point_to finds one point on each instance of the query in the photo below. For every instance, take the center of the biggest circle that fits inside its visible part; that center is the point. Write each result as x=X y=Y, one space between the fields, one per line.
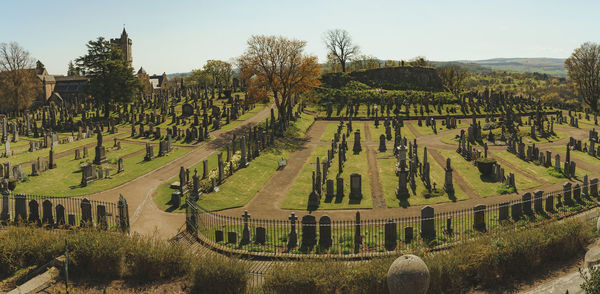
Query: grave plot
x=336 y=187
x=119 y=166
x=187 y=119
x=40 y=148
x=494 y=184
x=236 y=188
x=418 y=194
x=433 y=126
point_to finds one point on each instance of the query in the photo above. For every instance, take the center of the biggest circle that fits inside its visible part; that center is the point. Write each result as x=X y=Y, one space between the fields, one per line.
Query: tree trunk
x=343 y=66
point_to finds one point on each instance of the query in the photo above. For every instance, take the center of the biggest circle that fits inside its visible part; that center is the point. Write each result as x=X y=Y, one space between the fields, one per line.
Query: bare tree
x=19 y=85
x=583 y=67
x=339 y=43
x=453 y=78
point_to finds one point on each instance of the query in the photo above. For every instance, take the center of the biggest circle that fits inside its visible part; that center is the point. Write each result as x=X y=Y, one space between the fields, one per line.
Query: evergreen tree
x=111 y=78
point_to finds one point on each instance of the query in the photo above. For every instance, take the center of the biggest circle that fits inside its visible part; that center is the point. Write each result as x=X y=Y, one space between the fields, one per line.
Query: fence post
x=123 y=213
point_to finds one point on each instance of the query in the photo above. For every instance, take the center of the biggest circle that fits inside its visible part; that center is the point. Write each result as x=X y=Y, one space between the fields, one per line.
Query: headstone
x=479 y=218
x=309 y=231
x=325 y=232
x=503 y=211
x=47 y=217
x=526 y=203
x=538 y=201
x=390 y=235
x=86 y=213
x=427 y=223
x=355 y=186
x=260 y=235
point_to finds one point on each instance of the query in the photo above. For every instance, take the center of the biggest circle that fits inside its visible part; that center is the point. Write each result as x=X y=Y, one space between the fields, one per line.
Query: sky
x=178 y=36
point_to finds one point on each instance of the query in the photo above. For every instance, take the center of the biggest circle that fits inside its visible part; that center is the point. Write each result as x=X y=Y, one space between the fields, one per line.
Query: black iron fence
x=54 y=211
x=374 y=237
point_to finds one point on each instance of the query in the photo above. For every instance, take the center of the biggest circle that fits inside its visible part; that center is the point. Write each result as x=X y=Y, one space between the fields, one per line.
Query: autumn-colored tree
x=583 y=67
x=340 y=45
x=453 y=78
x=19 y=84
x=280 y=66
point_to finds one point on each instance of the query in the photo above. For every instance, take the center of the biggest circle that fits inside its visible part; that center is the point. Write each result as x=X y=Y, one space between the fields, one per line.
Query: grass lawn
x=297 y=196
x=425 y=130
x=65 y=180
x=377 y=132
x=243 y=185
x=527 y=167
x=31 y=156
x=234 y=123
x=387 y=174
x=331 y=128
x=471 y=174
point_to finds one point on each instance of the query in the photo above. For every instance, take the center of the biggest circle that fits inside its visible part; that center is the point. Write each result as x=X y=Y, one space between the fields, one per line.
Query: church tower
x=125 y=44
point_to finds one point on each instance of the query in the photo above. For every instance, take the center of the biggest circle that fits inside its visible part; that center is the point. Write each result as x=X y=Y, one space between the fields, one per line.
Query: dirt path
x=146 y=217
x=271 y=195
x=376 y=187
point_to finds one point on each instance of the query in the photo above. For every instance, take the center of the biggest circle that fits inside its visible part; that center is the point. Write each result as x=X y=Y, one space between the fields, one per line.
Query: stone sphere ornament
x=408 y=274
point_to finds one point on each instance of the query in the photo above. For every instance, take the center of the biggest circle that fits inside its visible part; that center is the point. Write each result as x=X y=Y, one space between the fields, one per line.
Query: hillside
x=550 y=66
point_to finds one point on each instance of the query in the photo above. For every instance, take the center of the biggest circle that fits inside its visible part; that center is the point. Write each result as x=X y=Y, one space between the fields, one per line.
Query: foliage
x=591 y=280
x=583 y=67
x=551 y=171
x=492 y=259
x=281 y=66
x=215 y=274
x=19 y=84
x=453 y=78
x=220 y=72
x=111 y=76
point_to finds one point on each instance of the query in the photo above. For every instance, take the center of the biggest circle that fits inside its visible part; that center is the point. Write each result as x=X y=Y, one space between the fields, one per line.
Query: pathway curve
x=145 y=216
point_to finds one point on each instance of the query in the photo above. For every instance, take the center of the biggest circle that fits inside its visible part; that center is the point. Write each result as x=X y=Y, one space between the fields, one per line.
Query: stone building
x=125 y=44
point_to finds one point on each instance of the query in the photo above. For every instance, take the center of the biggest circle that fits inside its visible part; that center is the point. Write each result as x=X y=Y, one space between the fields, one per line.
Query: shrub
x=307 y=277
x=154 y=259
x=551 y=171
x=591 y=280
x=21 y=247
x=97 y=254
x=491 y=260
x=215 y=274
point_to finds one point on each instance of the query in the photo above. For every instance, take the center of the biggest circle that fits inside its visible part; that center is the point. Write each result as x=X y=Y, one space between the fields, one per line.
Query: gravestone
x=355 y=186
x=567 y=193
x=100 y=150
x=292 y=236
x=120 y=165
x=516 y=211
x=382 y=147
x=479 y=218
x=503 y=211
x=47 y=217
x=309 y=231
x=218 y=236
x=577 y=192
x=232 y=237
x=408 y=234
x=34 y=212
x=187 y=110
x=340 y=188
x=20 y=208
x=427 y=223
x=526 y=203
x=550 y=203
x=60 y=215
x=537 y=201
x=101 y=217
x=325 y=232
x=260 y=235
x=594 y=187
x=391 y=235
x=86 y=213
x=245 y=231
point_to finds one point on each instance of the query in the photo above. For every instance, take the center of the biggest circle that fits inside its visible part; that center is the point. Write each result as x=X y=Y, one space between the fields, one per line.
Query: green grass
x=64 y=181
x=427 y=130
x=387 y=175
x=31 y=156
x=234 y=123
x=331 y=128
x=484 y=188
x=531 y=168
x=243 y=185
x=297 y=196
x=377 y=132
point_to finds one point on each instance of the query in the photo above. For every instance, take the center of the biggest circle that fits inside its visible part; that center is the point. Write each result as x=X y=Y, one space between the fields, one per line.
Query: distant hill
x=550 y=66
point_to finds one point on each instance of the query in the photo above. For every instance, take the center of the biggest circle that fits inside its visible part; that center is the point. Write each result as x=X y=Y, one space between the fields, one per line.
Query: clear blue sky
x=177 y=36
